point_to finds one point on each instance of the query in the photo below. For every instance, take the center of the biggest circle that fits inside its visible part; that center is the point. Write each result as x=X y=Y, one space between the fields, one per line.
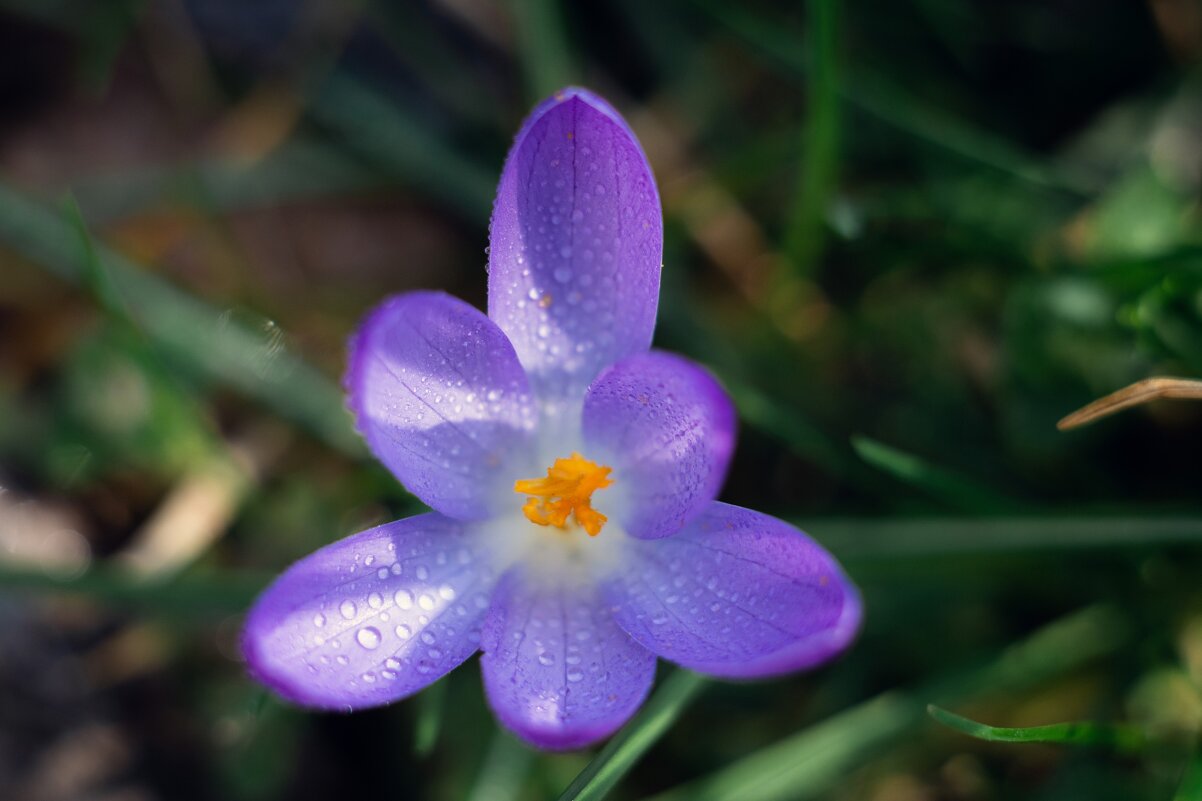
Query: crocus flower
x=572 y=474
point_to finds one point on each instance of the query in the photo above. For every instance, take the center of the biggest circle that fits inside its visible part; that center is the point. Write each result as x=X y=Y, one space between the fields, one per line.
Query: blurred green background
x=908 y=236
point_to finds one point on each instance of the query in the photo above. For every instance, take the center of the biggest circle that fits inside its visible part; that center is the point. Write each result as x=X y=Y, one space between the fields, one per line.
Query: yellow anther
x=566 y=491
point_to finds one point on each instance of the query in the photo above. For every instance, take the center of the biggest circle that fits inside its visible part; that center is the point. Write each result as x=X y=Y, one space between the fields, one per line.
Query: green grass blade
x=820 y=137
x=192 y=333
x=429 y=718
x=895 y=105
x=1121 y=738
x=301 y=168
x=504 y=770
x=805 y=439
x=543 y=46
x=1190 y=788
x=626 y=748
x=809 y=762
x=191 y=595
x=865 y=540
x=944 y=485
x=410 y=151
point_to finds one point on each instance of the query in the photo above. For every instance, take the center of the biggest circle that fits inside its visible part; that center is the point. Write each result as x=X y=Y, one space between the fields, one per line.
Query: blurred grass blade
x=504 y=770
x=429 y=717
x=192 y=333
x=628 y=746
x=809 y=762
x=895 y=105
x=412 y=152
x=1190 y=788
x=1127 y=739
x=867 y=539
x=191 y=595
x=298 y=169
x=944 y=485
x=801 y=436
x=820 y=137
x=543 y=46
x=97 y=278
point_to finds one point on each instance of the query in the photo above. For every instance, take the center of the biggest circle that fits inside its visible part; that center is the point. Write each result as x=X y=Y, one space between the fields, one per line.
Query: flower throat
x=566 y=491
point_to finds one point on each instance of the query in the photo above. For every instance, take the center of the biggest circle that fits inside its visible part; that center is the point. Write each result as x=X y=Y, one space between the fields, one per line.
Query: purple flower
x=572 y=473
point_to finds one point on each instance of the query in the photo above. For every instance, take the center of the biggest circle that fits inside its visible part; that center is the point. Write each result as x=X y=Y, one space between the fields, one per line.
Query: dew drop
x=403 y=631
x=319 y=620
x=404 y=599
x=375 y=600
x=426 y=601
x=447 y=592
x=347 y=609
x=369 y=637
x=575 y=675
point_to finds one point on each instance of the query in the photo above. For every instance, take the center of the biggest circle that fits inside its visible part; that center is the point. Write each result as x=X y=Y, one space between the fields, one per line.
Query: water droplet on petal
x=369 y=637
x=347 y=609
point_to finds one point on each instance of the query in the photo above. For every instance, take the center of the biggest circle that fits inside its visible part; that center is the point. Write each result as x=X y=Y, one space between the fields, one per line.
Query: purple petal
x=557 y=670
x=737 y=594
x=372 y=618
x=443 y=402
x=668 y=429
x=576 y=244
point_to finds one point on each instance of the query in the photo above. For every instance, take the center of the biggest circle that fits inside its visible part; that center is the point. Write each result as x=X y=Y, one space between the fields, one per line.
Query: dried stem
x=1140 y=392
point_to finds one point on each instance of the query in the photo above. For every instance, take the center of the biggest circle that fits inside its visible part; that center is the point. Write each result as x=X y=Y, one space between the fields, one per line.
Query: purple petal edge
x=557 y=670
x=736 y=594
x=437 y=391
x=667 y=427
x=372 y=618
x=576 y=244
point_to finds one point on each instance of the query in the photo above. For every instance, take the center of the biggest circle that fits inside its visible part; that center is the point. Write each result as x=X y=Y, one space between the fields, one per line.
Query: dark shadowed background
x=908 y=236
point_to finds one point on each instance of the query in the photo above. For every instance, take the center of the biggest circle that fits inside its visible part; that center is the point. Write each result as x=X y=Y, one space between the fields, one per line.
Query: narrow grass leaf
x=406 y=149
x=543 y=46
x=808 y=763
x=1190 y=788
x=429 y=718
x=865 y=540
x=1127 y=739
x=189 y=331
x=820 y=137
x=626 y=748
x=191 y=595
x=894 y=105
x=504 y=770
x=944 y=485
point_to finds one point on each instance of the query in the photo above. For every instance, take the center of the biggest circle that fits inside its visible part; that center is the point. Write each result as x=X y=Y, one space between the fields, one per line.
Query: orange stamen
x=566 y=491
